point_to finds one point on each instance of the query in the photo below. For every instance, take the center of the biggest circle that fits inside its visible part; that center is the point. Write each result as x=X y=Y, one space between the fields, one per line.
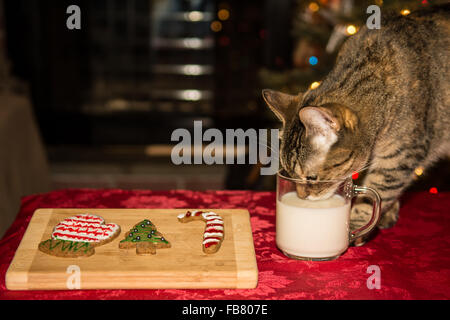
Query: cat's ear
x=279 y=103
x=320 y=125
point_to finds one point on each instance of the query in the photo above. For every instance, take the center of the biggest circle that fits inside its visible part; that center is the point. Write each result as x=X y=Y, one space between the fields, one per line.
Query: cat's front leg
x=389 y=184
x=390 y=216
x=360 y=216
x=362 y=212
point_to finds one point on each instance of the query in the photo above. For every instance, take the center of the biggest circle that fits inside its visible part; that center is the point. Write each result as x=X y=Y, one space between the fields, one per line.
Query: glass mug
x=318 y=230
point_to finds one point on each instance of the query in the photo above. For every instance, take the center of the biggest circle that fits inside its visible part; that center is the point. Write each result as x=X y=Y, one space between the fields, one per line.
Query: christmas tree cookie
x=145 y=238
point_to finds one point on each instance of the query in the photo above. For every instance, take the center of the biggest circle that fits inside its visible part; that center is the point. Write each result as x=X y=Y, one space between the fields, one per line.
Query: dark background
x=75 y=74
x=103 y=94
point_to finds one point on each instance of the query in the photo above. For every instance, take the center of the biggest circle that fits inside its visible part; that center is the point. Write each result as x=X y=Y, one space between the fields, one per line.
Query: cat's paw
x=390 y=217
x=360 y=215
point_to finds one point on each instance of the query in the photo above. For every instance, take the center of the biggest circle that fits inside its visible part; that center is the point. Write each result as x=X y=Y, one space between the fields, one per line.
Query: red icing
x=84 y=230
x=83 y=225
x=96 y=225
x=81 y=230
x=214 y=225
x=76 y=221
x=209 y=244
x=57 y=234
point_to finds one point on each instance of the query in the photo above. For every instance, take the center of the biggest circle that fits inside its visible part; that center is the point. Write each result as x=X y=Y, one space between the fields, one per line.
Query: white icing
x=209 y=213
x=212 y=234
x=213 y=217
x=210 y=240
x=217 y=221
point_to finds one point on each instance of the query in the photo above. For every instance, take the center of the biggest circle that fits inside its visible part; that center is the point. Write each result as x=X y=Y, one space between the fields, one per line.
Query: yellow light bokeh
x=313 y=7
x=216 y=26
x=405 y=12
x=418 y=171
x=351 y=29
x=314 y=85
x=223 y=14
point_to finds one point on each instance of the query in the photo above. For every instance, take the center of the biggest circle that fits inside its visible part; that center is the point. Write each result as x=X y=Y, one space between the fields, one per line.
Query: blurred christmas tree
x=318 y=30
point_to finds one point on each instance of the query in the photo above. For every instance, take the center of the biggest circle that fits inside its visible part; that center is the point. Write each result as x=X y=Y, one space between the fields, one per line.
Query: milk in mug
x=312 y=229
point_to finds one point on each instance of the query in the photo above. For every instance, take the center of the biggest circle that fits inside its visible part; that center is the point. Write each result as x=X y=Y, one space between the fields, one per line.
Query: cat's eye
x=313 y=178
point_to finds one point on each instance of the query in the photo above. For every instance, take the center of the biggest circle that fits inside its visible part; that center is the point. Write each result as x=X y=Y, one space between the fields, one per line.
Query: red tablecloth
x=413 y=256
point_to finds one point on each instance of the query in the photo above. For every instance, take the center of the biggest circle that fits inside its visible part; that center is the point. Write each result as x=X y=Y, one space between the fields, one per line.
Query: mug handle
x=364 y=230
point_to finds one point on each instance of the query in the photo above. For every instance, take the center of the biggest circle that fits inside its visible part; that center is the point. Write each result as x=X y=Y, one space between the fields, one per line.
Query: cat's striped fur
x=385 y=107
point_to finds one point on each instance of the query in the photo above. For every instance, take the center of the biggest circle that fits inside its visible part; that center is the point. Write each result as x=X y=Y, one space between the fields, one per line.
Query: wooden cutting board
x=182 y=266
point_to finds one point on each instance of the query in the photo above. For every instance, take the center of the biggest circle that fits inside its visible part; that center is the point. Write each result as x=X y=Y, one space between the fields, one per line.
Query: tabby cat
x=383 y=110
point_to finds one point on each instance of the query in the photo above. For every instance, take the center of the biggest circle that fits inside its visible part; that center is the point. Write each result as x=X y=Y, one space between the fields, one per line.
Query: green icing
x=73 y=246
x=144 y=231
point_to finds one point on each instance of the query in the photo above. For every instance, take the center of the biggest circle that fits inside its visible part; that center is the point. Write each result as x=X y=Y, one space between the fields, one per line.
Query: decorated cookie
x=214 y=230
x=86 y=228
x=78 y=235
x=64 y=248
x=145 y=238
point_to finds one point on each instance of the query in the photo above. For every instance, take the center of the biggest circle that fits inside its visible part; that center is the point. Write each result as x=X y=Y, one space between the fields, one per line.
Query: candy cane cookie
x=214 y=231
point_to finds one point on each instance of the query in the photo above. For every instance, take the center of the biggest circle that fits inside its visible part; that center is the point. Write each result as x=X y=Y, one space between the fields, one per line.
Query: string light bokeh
x=223 y=14
x=314 y=85
x=216 y=26
x=351 y=30
x=405 y=12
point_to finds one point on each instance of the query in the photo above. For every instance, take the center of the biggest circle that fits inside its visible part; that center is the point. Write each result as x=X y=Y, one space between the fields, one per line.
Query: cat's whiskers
x=273 y=153
x=367 y=166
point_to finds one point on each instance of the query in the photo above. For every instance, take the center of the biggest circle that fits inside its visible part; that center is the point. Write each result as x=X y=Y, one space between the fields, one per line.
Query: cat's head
x=318 y=143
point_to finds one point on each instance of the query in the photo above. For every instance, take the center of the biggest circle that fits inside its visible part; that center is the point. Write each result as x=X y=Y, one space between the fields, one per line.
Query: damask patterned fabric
x=413 y=256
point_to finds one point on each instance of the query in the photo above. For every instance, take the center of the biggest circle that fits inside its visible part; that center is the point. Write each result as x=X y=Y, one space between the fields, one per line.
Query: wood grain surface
x=182 y=266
